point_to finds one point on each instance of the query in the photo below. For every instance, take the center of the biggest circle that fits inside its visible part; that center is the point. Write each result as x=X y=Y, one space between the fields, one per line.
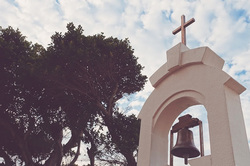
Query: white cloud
x=133 y=112
x=136 y=103
x=37 y=20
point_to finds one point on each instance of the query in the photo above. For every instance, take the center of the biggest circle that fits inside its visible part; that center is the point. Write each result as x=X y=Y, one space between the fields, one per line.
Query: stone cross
x=182 y=28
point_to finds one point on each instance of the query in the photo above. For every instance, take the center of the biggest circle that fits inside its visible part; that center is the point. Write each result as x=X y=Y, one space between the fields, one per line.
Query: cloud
x=133 y=112
x=136 y=103
x=37 y=20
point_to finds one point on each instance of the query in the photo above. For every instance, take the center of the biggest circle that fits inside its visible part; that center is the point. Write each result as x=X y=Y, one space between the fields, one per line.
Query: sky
x=222 y=25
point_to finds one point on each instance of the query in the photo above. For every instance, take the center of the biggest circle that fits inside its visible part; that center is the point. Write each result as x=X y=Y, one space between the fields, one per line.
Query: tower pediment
x=180 y=56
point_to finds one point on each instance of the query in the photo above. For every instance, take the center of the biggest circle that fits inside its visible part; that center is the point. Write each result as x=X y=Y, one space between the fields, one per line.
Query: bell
x=184 y=146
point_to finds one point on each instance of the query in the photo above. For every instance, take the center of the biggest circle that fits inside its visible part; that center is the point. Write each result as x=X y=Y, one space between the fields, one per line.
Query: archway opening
x=196 y=111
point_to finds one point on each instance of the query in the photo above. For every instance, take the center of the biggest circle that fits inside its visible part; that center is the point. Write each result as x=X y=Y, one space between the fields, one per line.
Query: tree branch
x=111 y=100
x=76 y=155
x=57 y=154
x=75 y=137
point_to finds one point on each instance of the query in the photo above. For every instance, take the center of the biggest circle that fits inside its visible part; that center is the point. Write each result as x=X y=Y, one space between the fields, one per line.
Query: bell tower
x=194 y=77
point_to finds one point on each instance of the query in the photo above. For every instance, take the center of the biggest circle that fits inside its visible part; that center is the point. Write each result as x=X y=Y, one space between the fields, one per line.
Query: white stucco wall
x=188 y=78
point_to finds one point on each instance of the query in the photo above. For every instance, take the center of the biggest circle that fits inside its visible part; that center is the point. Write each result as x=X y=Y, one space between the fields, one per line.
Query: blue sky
x=224 y=26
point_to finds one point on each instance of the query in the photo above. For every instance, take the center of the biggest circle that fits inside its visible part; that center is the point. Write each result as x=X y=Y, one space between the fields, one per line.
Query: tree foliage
x=75 y=83
x=98 y=69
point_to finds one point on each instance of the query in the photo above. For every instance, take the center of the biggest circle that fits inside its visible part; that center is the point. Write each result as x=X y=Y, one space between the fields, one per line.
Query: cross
x=182 y=28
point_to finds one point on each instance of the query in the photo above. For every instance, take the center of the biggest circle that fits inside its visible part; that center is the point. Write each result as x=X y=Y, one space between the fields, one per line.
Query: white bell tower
x=191 y=77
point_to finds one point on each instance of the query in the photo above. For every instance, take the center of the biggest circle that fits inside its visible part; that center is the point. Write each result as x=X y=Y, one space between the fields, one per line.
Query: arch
x=192 y=77
x=178 y=102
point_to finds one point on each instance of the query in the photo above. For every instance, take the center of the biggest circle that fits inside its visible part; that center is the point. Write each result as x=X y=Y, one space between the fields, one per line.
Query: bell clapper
x=186 y=159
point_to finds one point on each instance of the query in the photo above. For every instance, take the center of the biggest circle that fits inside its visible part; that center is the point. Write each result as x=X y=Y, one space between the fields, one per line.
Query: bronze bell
x=184 y=146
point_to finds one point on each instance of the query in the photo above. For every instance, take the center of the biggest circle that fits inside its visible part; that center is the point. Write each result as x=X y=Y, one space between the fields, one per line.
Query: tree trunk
x=72 y=163
x=25 y=152
x=76 y=135
x=92 y=151
x=56 y=156
x=20 y=141
x=91 y=155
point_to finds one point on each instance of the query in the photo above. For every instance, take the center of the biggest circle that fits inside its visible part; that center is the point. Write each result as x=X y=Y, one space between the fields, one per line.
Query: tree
x=97 y=69
x=15 y=51
x=32 y=110
x=72 y=85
